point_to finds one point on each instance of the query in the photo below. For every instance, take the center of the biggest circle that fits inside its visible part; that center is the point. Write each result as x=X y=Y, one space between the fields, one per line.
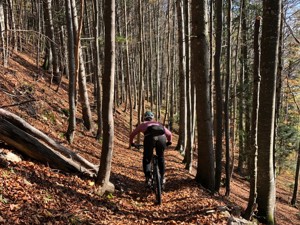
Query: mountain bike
x=155 y=177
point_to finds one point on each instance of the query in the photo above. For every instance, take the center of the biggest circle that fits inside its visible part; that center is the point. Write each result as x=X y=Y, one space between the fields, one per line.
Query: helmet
x=148 y=116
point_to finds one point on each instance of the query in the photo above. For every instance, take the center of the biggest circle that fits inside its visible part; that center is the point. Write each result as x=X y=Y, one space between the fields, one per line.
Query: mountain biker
x=155 y=135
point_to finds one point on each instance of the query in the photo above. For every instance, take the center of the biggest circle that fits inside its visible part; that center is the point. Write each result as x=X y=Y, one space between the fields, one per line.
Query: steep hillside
x=33 y=193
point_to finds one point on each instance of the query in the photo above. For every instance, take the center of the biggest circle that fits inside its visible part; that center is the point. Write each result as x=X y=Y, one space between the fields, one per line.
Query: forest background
x=144 y=55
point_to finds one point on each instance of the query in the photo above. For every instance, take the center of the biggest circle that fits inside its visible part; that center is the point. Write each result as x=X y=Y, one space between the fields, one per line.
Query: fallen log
x=25 y=138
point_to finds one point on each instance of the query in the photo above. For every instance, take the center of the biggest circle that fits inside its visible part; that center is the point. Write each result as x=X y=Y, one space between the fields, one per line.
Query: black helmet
x=148 y=116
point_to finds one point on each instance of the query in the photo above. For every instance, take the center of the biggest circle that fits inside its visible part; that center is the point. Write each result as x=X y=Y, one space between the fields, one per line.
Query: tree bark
x=181 y=145
x=51 y=35
x=103 y=176
x=219 y=97
x=72 y=74
x=296 y=184
x=200 y=69
x=255 y=105
x=266 y=114
x=227 y=95
x=80 y=67
x=2 y=36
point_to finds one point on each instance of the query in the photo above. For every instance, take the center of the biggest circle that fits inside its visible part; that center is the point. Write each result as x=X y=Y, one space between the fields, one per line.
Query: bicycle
x=155 y=177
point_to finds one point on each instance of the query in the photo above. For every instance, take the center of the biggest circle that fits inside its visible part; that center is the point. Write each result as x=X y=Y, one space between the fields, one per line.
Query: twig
x=291 y=31
x=16 y=104
x=294 y=97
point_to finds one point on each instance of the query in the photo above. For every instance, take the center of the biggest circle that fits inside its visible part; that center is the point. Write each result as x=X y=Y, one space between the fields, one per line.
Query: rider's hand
x=132 y=145
x=169 y=143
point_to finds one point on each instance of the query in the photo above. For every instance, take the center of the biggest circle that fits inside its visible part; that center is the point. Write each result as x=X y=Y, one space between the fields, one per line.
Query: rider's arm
x=135 y=132
x=168 y=134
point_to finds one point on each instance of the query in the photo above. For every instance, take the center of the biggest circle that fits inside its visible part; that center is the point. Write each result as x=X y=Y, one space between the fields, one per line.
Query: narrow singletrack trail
x=183 y=201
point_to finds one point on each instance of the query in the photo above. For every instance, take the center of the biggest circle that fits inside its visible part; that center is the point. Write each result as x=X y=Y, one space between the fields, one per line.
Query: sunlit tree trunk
x=103 y=177
x=97 y=69
x=72 y=77
x=80 y=67
x=181 y=145
x=47 y=4
x=2 y=36
x=200 y=69
x=255 y=106
x=127 y=71
x=12 y=25
x=266 y=114
x=141 y=62
x=218 y=89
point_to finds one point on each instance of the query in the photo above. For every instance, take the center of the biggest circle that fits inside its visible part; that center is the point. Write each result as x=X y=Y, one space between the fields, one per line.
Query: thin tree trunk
x=50 y=32
x=219 y=98
x=72 y=74
x=103 y=177
x=141 y=63
x=80 y=67
x=128 y=74
x=255 y=106
x=296 y=184
x=2 y=36
x=226 y=104
x=97 y=70
x=181 y=145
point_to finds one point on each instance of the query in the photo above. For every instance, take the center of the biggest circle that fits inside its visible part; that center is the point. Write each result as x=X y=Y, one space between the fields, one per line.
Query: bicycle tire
x=157 y=184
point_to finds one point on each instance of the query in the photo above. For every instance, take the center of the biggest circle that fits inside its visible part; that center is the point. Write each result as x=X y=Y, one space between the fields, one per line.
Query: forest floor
x=33 y=193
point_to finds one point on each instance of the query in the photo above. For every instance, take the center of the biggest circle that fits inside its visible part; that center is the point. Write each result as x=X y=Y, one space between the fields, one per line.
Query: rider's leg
x=160 y=149
x=147 y=156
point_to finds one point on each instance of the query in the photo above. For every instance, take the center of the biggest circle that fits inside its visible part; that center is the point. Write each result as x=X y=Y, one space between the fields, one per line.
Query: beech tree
x=182 y=79
x=103 y=177
x=266 y=114
x=219 y=95
x=200 y=70
x=255 y=108
x=72 y=74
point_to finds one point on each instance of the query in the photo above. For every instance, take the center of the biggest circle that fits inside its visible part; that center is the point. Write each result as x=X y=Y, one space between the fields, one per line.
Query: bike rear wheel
x=157 y=184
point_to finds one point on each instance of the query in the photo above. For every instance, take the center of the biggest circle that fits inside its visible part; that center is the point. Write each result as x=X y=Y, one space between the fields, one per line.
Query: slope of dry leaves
x=33 y=193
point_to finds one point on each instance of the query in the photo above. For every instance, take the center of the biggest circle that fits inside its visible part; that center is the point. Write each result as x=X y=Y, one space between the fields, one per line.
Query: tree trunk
x=266 y=119
x=200 y=69
x=181 y=145
x=227 y=95
x=2 y=36
x=219 y=98
x=241 y=105
x=97 y=70
x=50 y=33
x=108 y=99
x=296 y=184
x=72 y=74
x=127 y=71
x=255 y=106
x=80 y=67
